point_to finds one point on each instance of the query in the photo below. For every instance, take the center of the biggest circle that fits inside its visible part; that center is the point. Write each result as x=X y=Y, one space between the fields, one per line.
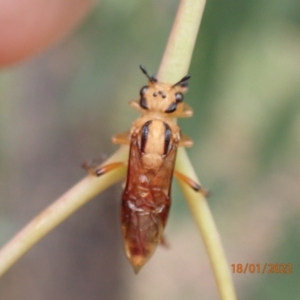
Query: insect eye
x=171 y=108
x=143 y=90
x=143 y=103
x=178 y=97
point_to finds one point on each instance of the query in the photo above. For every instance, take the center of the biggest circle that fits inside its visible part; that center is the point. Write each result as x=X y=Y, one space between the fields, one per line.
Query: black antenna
x=183 y=81
x=151 y=78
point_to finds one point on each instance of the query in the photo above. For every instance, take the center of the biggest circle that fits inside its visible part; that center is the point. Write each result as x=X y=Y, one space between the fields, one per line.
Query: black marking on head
x=182 y=82
x=178 y=97
x=145 y=132
x=168 y=134
x=162 y=94
x=171 y=108
x=151 y=78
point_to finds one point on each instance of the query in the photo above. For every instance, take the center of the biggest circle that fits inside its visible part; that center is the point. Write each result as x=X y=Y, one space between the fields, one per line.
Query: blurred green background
x=62 y=108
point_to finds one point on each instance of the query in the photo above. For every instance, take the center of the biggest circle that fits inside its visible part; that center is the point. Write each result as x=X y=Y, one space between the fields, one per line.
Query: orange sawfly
x=153 y=140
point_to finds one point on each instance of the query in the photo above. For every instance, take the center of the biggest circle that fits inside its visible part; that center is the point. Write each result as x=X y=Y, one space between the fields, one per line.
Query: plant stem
x=205 y=222
x=175 y=64
x=177 y=57
x=61 y=209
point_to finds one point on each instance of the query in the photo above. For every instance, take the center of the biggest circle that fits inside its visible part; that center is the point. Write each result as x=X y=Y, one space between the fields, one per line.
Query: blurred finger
x=28 y=27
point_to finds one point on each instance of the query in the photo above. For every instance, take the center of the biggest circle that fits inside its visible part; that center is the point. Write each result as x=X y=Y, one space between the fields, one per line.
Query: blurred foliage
x=62 y=108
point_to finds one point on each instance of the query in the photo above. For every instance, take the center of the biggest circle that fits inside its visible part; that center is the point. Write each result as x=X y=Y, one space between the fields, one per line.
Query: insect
x=153 y=140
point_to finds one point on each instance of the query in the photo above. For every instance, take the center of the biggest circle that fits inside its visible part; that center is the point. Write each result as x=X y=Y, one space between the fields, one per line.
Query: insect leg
x=185 y=141
x=103 y=169
x=187 y=110
x=185 y=113
x=164 y=242
x=135 y=105
x=121 y=138
x=194 y=185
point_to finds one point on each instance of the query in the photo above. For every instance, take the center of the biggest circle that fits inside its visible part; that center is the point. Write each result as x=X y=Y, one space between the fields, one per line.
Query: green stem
x=205 y=222
x=61 y=209
x=175 y=64
x=180 y=46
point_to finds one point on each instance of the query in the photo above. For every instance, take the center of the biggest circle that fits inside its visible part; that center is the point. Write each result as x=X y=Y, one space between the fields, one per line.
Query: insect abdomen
x=143 y=223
